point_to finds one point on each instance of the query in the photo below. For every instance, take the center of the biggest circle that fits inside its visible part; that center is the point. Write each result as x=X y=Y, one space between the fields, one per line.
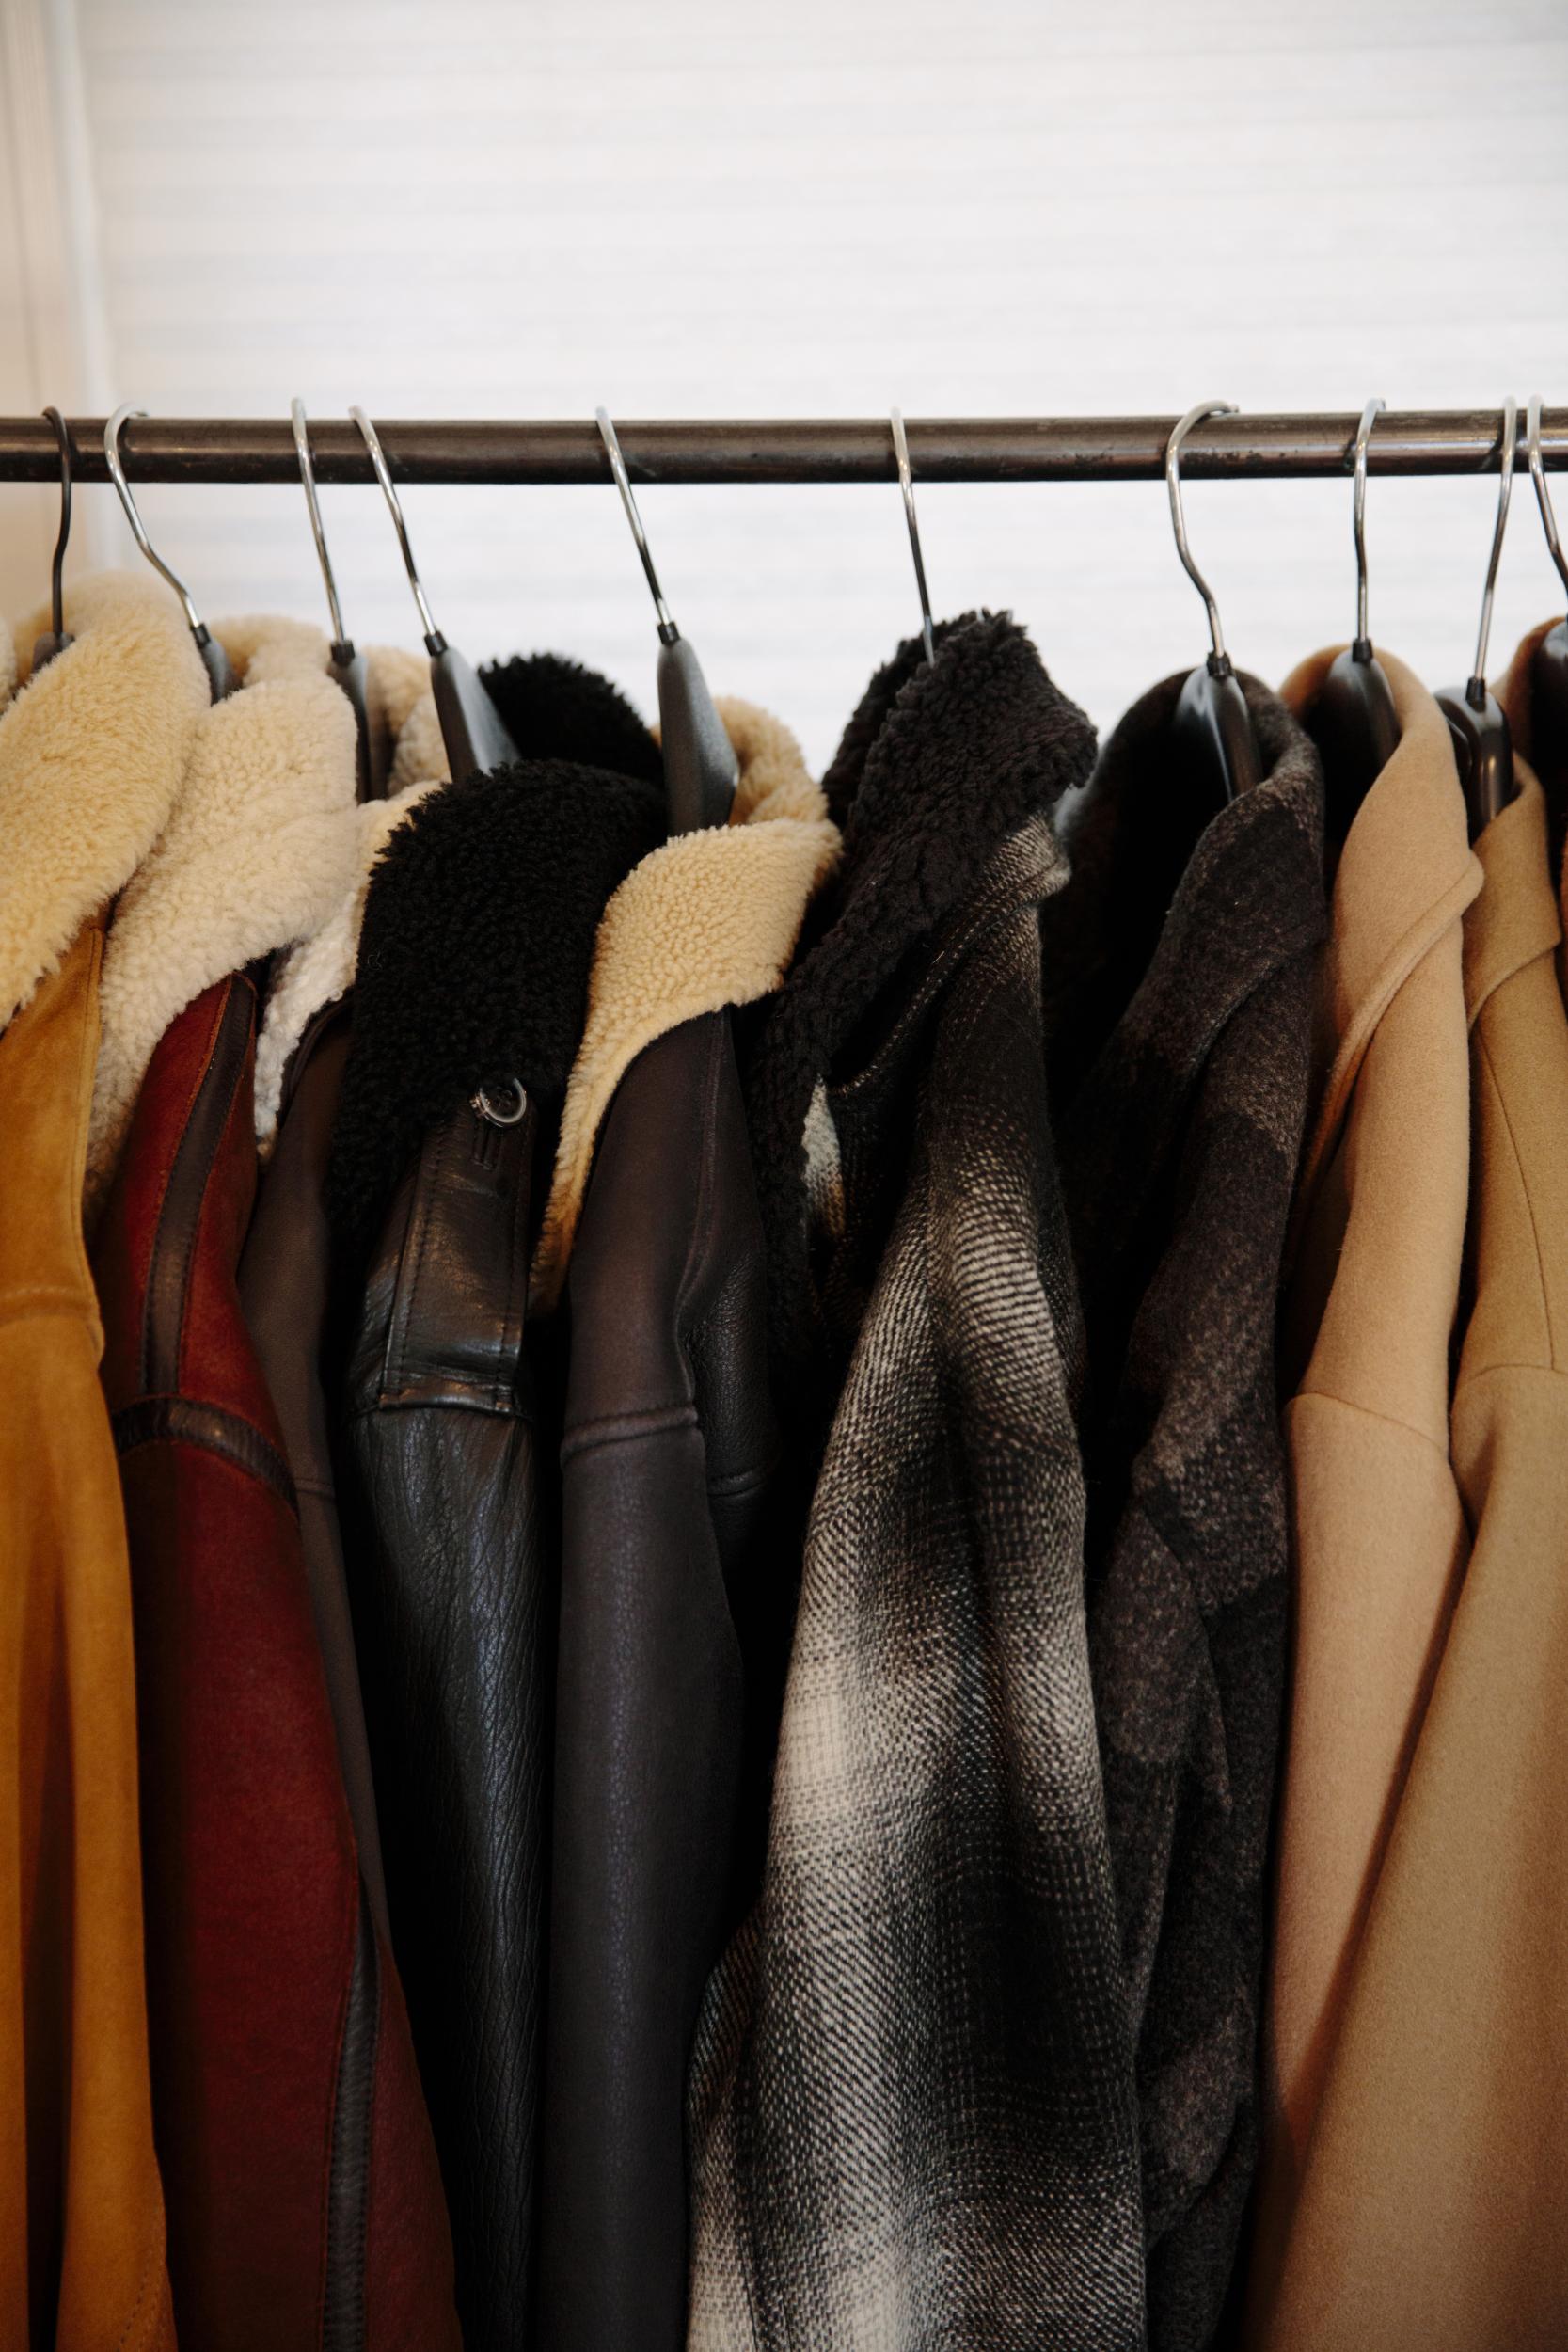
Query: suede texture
x=1434 y=2207
x=281 y=2050
x=81 y=2209
x=1378 y=1532
x=91 y=756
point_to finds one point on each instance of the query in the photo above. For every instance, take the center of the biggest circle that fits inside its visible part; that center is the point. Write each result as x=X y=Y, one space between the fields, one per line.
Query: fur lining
x=556 y=709
x=257 y=851
x=707 y=919
x=478 y=934
x=92 y=753
x=320 y=967
x=938 y=766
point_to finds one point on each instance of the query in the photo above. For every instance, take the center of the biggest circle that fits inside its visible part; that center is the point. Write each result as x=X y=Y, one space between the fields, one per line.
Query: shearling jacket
x=1433 y=2209
x=1378 y=1530
x=91 y=755
x=669 y=1463
x=468 y=1002
x=911 y=2114
x=304 y=2198
x=1179 y=1154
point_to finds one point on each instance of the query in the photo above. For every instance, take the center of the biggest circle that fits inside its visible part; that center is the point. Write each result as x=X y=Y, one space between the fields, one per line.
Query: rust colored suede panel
x=304 y=2201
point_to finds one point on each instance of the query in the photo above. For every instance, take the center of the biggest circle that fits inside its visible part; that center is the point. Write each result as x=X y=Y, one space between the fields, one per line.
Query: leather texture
x=669 y=1453
x=304 y=2198
x=286 y=1292
x=451 y=1550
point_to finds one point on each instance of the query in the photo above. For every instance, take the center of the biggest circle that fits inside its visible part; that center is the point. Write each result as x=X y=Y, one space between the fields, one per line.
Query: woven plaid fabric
x=911 y=2115
x=1178 y=1153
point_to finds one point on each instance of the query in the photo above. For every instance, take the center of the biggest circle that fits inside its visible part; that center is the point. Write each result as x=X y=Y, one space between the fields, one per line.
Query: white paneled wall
x=478 y=207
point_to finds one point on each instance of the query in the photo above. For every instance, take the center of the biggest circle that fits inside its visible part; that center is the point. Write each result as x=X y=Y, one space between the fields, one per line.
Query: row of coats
x=669 y=1504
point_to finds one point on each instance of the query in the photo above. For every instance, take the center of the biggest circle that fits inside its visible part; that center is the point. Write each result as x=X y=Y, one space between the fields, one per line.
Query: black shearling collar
x=478 y=929
x=940 y=765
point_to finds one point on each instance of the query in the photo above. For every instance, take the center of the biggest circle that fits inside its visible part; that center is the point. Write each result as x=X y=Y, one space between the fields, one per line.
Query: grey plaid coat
x=911 y=2116
x=1184 y=990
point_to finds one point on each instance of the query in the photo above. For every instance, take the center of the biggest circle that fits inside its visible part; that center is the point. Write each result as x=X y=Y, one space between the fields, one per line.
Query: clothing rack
x=781 y=450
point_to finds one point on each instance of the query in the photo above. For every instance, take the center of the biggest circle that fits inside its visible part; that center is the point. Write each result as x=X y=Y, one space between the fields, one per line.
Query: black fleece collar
x=478 y=929
x=939 y=764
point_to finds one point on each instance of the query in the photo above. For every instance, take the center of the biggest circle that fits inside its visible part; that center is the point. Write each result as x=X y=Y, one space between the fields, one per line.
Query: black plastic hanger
x=472 y=730
x=347 y=667
x=1352 y=718
x=1548 y=676
x=1216 y=751
x=701 y=770
x=1483 y=746
x=56 y=638
x=220 y=675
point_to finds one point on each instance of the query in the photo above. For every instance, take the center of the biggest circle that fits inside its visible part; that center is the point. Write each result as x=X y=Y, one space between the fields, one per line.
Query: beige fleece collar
x=320 y=967
x=707 y=919
x=92 y=753
x=258 y=846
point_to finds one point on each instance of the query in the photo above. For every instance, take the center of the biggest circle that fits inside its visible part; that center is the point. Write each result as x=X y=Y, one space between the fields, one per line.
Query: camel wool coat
x=1377 y=1527
x=91 y=753
x=1432 y=2212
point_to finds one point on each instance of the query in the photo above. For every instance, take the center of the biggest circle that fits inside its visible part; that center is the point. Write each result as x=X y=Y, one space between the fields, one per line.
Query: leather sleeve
x=668 y=1452
x=452 y=1565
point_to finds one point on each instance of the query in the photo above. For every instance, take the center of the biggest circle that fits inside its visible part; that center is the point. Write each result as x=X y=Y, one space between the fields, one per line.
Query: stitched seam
x=179 y=1420
x=1485 y=1052
x=1370 y=1412
x=146 y=1353
x=627 y=1429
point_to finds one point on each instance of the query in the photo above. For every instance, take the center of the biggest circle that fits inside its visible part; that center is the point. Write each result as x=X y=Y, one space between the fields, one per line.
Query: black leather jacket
x=670 y=1455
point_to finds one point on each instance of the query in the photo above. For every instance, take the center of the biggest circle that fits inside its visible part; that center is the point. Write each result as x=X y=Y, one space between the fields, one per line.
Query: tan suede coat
x=91 y=753
x=1378 y=1530
x=1434 y=2208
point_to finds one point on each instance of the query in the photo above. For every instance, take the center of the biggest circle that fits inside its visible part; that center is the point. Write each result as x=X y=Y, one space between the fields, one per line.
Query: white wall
x=706 y=206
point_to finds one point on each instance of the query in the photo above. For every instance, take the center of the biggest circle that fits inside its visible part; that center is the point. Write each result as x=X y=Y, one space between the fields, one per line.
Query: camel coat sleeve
x=1433 y=2211
x=1377 y=1530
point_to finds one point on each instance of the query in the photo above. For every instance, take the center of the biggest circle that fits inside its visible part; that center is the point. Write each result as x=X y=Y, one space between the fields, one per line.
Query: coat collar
x=1406 y=875
x=938 y=767
x=708 y=919
x=257 y=848
x=319 y=968
x=1514 y=920
x=478 y=932
x=92 y=753
x=1249 y=900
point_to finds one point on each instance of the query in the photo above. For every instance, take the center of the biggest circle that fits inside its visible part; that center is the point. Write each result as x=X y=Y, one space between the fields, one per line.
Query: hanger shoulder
x=701 y=770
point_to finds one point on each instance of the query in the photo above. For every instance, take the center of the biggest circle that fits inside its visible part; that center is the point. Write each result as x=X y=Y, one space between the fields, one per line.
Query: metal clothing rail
x=831 y=449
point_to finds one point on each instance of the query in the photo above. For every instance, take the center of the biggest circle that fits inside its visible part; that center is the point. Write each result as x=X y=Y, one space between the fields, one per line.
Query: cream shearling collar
x=319 y=968
x=258 y=848
x=92 y=753
x=706 y=920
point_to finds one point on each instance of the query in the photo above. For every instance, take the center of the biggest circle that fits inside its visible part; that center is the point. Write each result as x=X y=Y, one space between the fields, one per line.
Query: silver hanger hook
x=1369 y=415
x=1543 y=496
x=906 y=484
x=308 y=478
x=372 y=439
x=1178 y=433
x=1505 y=487
x=138 y=529
x=667 y=629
